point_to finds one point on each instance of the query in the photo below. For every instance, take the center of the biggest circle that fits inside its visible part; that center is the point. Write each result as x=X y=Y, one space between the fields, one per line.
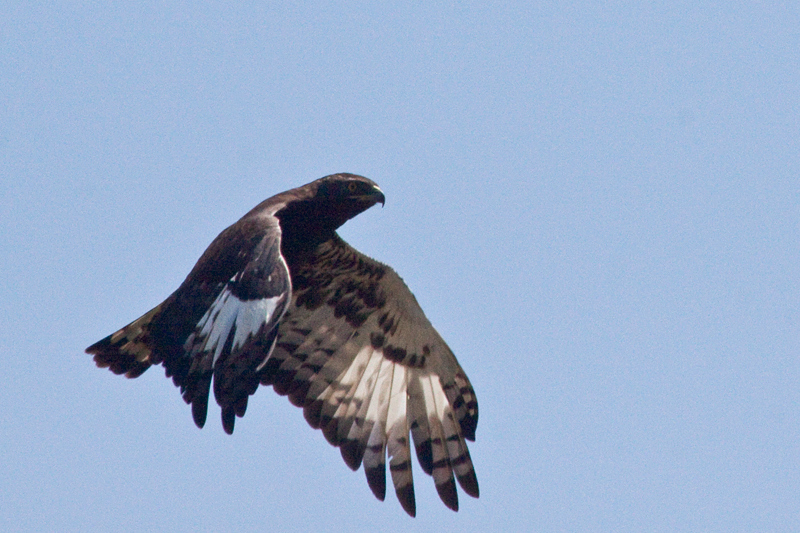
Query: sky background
x=597 y=204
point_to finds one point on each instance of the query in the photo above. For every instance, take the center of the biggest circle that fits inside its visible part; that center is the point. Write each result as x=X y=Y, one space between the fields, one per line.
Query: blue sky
x=596 y=204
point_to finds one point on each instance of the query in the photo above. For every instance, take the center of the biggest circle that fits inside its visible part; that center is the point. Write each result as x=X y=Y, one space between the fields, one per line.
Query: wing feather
x=355 y=424
x=442 y=471
x=219 y=326
x=357 y=353
x=375 y=451
x=398 y=442
x=334 y=412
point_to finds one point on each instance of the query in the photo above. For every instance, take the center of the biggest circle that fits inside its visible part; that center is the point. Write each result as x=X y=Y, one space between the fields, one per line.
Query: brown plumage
x=279 y=299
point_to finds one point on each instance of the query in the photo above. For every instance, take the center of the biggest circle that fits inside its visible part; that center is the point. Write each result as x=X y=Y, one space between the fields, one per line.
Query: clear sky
x=597 y=204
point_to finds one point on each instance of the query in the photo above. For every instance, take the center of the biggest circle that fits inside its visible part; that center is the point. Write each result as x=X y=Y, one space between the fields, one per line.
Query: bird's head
x=342 y=196
x=350 y=189
x=317 y=209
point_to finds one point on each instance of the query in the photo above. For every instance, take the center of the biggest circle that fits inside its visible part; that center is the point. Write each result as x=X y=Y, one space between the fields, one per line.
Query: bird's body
x=279 y=299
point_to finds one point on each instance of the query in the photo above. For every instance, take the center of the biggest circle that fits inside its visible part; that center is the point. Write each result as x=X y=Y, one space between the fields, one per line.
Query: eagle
x=278 y=298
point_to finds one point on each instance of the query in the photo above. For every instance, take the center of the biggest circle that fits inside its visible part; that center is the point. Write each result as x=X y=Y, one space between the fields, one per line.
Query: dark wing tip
x=240 y=406
x=312 y=413
x=330 y=428
x=447 y=492
x=469 y=425
x=406 y=497
x=228 y=419
x=297 y=392
x=200 y=411
x=469 y=482
x=376 y=478
x=425 y=456
x=352 y=453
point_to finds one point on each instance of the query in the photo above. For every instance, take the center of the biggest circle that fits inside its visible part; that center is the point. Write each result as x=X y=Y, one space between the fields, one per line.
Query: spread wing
x=355 y=350
x=219 y=325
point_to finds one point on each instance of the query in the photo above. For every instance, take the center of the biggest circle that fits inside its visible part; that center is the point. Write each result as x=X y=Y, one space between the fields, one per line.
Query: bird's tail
x=127 y=351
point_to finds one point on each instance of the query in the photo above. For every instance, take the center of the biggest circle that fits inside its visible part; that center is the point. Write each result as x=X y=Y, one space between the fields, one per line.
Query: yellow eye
x=352 y=186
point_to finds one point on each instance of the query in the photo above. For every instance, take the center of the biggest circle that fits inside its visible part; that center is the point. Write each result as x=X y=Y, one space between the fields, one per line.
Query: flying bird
x=279 y=299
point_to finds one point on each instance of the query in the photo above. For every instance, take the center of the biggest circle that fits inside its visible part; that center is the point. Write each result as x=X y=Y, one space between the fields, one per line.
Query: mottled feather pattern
x=127 y=351
x=279 y=299
x=331 y=360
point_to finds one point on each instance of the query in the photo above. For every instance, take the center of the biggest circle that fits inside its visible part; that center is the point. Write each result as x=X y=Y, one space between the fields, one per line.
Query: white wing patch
x=374 y=409
x=359 y=355
x=230 y=314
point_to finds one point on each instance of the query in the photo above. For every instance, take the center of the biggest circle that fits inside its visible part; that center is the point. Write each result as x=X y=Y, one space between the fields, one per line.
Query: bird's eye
x=352 y=186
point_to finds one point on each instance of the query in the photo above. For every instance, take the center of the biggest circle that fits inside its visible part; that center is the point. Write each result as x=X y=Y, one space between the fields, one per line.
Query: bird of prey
x=279 y=299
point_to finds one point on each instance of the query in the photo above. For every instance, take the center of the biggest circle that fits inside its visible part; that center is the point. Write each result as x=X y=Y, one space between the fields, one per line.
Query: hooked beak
x=377 y=194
